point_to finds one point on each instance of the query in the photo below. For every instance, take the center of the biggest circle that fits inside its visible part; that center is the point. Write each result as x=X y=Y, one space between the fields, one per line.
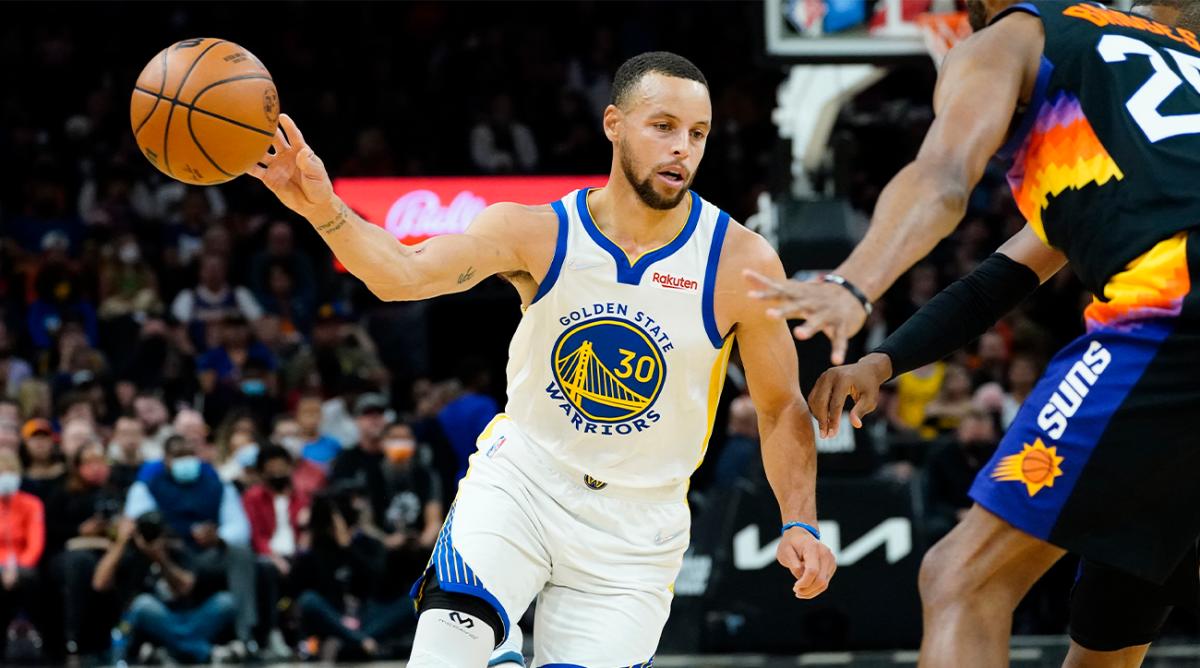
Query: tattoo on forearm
x=466 y=275
x=337 y=222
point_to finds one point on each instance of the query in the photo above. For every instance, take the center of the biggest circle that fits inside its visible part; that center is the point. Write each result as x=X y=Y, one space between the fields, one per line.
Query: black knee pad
x=433 y=597
x=1112 y=610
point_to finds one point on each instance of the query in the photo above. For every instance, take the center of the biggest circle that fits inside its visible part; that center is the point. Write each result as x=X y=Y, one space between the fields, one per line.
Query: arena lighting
x=416 y=208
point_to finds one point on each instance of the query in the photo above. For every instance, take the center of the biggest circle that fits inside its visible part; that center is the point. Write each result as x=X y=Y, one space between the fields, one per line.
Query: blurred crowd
x=211 y=441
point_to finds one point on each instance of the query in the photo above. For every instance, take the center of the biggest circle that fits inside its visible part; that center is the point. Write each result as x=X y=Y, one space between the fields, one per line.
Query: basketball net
x=941 y=32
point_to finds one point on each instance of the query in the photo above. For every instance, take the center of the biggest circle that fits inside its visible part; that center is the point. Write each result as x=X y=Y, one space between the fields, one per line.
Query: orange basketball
x=1036 y=466
x=204 y=110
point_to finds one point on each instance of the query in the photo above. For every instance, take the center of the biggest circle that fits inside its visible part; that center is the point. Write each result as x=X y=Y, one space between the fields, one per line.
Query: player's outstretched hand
x=811 y=562
x=293 y=172
x=825 y=307
x=859 y=381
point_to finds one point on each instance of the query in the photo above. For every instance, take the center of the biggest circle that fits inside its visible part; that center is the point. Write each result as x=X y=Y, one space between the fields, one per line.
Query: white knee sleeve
x=451 y=639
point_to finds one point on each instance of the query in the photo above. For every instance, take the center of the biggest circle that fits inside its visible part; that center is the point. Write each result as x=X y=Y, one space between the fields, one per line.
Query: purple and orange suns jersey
x=1105 y=160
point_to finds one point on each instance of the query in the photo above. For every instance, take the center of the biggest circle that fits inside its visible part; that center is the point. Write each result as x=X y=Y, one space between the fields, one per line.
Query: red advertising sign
x=415 y=209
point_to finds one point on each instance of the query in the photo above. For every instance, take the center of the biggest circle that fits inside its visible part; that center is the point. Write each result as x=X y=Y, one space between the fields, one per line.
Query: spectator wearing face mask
x=22 y=539
x=83 y=506
x=414 y=514
x=237 y=448
x=128 y=285
x=276 y=511
x=208 y=514
x=308 y=478
x=78 y=520
x=44 y=469
x=238 y=371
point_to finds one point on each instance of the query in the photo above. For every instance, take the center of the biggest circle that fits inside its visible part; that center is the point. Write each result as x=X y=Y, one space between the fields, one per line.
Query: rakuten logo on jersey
x=675 y=282
x=1073 y=389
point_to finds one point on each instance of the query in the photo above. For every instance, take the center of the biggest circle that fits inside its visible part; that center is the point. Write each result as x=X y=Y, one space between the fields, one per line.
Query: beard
x=645 y=187
x=976 y=15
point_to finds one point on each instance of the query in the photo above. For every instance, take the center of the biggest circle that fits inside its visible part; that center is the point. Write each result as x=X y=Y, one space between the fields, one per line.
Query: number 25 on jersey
x=1164 y=81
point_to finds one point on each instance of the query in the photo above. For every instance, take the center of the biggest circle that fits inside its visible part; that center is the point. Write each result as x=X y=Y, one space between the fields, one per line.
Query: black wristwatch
x=852 y=288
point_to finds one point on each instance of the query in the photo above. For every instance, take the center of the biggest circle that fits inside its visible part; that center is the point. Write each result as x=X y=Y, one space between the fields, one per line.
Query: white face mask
x=9 y=483
x=293 y=444
x=129 y=253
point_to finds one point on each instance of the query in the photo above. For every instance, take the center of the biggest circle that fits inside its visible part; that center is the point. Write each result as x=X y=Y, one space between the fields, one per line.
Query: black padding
x=433 y=597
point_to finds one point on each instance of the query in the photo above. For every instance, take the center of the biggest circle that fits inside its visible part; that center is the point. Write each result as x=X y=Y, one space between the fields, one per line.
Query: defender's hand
x=811 y=562
x=293 y=172
x=859 y=381
x=825 y=307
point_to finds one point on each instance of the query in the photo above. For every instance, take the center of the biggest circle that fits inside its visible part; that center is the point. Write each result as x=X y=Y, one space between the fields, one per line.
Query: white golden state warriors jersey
x=617 y=365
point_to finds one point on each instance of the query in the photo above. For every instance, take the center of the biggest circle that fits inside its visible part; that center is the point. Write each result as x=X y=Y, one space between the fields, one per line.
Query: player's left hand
x=825 y=307
x=811 y=562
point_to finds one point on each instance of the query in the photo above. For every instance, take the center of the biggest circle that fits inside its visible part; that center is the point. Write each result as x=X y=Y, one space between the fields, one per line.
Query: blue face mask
x=254 y=387
x=185 y=469
x=247 y=457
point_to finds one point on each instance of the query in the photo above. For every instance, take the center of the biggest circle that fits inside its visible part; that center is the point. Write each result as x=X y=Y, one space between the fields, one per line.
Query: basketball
x=1037 y=466
x=204 y=110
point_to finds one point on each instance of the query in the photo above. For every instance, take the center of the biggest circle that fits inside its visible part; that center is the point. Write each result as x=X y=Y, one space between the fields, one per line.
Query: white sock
x=451 y=639
x=506 y=655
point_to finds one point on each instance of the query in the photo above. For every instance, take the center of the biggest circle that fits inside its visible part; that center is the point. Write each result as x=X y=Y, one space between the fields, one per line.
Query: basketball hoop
x=942 y=31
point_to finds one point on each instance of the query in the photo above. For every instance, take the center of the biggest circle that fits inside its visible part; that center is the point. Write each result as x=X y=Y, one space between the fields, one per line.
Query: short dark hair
x=174 y=442
x=268 y=452
x=630 y=73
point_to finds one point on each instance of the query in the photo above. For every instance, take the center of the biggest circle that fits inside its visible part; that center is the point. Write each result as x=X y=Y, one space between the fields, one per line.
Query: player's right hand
x=859 y=381
x=810 y=561
x=292 y=171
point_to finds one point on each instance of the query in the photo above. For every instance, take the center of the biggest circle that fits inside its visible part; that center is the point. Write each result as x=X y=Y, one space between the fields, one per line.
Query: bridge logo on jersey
x=608 y=373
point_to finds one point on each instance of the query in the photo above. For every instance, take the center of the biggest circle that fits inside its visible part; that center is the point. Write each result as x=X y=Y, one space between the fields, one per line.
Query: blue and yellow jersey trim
x=560 y=252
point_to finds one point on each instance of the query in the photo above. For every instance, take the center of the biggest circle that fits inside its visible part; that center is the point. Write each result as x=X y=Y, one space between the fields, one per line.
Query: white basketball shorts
x=601 y=561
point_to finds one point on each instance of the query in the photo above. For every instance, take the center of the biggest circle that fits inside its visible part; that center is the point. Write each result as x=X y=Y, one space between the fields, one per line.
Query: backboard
x=847 y=31
x=856 y=31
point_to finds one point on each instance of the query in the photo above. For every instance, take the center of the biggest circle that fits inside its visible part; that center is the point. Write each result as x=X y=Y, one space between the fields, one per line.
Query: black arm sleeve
x=960 y=313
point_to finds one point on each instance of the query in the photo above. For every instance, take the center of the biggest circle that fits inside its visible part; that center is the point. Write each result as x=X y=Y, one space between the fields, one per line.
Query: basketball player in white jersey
x=632 y=298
